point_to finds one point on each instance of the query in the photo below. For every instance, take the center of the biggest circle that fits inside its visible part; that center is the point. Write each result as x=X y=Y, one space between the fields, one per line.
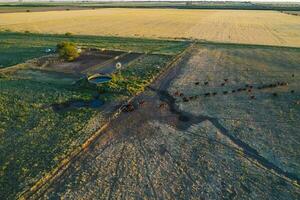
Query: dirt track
x=159 y=151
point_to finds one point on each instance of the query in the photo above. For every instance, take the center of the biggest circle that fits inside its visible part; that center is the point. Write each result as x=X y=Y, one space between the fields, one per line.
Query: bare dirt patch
x=110 y=65
x=87 y=59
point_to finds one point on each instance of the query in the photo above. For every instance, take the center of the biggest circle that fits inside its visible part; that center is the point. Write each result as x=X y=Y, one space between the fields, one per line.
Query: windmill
x=118 y=66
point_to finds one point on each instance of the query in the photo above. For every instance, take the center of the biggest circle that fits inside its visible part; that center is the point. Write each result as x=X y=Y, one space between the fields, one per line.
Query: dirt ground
x=110 y=66
x=89 y=62
x=87 y=59
x=175 y=145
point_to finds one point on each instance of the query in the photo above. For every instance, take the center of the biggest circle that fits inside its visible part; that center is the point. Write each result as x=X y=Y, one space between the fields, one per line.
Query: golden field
x=237 y=26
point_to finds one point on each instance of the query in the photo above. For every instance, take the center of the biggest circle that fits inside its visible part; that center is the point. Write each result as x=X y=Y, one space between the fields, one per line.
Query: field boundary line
x=50 y=177
x=23 y=64
x=245 y=45
x=47 y=180
x=105 y=63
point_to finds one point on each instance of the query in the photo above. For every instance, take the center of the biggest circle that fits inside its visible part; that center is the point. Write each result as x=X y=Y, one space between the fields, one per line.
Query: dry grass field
x=263 y=117
x=236 y=26
x=194 y=146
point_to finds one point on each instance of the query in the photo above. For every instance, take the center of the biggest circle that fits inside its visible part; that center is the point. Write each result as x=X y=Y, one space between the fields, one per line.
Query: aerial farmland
x=236 y=26
x=149 y=100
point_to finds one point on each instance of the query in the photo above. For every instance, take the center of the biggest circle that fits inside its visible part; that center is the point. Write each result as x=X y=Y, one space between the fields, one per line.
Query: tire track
x=117 y=174
x=143 y=153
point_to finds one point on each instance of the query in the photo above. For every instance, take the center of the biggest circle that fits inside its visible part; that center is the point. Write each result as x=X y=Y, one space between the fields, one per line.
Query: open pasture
x=180 y=143
x=253 y=92
x=235 y=26
x=42 y=117
x=34 y=137
x=52 y=77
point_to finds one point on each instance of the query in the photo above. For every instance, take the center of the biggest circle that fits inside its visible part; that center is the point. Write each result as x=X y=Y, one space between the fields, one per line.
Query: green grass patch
x=33 y=137
x=134 y=77
x=18 y=47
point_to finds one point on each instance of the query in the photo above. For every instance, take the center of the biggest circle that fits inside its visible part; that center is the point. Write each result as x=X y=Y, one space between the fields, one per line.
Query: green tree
x=68 y=50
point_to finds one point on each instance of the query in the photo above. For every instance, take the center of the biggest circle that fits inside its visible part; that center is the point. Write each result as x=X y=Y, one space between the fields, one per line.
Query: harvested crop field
x=251 y=27
x=184 y=141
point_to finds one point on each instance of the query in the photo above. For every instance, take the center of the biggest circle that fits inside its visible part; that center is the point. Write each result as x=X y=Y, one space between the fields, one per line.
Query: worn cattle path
x=123 y=161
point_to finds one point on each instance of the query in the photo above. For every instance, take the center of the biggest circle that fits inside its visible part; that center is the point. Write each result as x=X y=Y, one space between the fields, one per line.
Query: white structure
x=118 y=65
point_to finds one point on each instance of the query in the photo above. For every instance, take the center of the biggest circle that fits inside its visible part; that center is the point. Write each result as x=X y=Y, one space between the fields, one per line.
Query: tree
x=67 y=50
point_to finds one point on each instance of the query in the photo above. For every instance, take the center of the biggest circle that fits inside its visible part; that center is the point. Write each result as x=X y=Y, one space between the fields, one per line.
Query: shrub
x=68 y=34
x=120 y=84
x=67 y=50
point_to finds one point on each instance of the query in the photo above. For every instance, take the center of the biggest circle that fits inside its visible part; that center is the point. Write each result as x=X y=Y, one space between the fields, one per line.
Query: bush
x=120 y=84
x=68 y=34
x=67 y=50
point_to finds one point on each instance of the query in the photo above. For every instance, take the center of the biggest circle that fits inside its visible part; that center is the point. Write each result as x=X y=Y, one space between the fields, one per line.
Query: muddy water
x=99 y=80
x=72 y=104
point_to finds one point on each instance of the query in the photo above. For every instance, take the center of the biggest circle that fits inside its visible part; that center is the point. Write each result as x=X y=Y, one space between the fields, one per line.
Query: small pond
x=100 y=79
x=94 y=103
